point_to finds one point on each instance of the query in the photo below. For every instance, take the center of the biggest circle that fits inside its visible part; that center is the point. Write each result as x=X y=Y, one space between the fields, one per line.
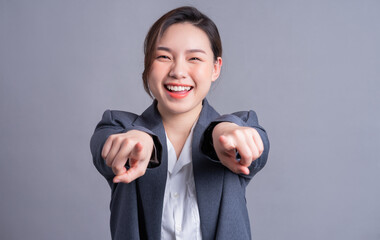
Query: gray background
x=310 y=69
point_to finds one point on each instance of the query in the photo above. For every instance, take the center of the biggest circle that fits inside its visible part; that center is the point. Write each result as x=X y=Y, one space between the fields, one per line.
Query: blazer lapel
x=151 y=186
x=208 y=176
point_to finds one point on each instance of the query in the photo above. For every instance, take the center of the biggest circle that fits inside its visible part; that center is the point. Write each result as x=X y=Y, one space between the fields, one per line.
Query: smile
x=175 y=88
x=178 y=91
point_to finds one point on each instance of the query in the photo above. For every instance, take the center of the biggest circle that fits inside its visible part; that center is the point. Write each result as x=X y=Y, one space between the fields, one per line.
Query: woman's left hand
x=228 y=138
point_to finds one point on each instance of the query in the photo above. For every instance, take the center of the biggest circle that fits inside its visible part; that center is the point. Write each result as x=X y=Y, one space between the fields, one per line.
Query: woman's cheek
x=200 y=69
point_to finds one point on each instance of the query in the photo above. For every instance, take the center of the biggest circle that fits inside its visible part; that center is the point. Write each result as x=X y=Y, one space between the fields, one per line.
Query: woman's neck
x=180 y=122
x=178 y=126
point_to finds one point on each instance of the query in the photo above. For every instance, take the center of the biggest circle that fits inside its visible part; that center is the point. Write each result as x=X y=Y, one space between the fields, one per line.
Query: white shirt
x=180 y=217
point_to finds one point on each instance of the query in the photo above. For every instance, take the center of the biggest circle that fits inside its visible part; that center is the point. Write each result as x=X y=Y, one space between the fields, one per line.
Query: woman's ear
x=216 y=68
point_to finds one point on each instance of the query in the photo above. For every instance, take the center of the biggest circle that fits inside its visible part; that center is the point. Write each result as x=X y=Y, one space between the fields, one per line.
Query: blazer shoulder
x=123 y=115
x=117 y=118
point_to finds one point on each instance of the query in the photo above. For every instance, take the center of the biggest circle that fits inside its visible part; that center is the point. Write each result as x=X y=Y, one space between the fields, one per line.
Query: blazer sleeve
x=242 y=118
x=114 y=122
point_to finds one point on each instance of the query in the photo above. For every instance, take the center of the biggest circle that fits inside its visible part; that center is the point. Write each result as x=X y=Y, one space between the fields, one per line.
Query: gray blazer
x=136 y=208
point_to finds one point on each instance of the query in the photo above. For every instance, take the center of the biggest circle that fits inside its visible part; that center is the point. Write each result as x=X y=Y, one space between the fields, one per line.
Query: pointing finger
x=136 y=151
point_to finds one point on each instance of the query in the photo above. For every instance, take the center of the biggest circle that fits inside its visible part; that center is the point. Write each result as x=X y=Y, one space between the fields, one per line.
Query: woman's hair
x=178 y=15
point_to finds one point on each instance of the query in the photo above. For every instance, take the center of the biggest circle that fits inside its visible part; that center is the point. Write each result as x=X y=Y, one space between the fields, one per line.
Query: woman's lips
x=178 y=91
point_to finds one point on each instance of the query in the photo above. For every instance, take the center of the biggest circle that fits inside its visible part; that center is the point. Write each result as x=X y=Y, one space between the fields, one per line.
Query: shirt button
x=178 y=228
x=175 y=195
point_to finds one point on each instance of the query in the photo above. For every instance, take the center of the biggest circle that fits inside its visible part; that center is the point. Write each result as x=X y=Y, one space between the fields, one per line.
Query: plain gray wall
x=310 y=69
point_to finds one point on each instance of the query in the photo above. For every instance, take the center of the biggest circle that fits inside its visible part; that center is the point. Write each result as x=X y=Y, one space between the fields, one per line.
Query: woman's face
x=182 y=70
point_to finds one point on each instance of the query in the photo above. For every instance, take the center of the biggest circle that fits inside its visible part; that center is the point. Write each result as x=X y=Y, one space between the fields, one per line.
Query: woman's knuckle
x=108 y=163
x=116 y=140
x=115 y=166
x=142 y=171
x=126 y=141
x=261 y=150
x=236 y=132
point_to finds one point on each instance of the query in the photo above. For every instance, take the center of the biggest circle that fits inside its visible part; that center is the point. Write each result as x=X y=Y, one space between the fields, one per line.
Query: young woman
x=179 y=170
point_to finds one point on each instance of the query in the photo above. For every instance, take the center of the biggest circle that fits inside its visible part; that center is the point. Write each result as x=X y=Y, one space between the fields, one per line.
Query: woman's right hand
x=135 y=146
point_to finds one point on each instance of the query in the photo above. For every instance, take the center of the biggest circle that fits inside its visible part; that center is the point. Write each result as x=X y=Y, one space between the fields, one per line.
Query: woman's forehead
x=184 y=37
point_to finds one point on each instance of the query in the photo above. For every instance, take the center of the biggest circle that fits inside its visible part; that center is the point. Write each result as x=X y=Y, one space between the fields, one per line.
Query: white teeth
x=178 y=88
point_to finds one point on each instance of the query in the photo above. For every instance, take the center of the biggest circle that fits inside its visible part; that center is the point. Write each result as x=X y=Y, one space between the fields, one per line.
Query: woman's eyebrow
x=164 y=49
x=196 y=50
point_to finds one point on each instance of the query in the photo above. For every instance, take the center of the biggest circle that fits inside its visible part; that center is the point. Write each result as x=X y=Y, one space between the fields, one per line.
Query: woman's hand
x=135 y=146
x=229 y=138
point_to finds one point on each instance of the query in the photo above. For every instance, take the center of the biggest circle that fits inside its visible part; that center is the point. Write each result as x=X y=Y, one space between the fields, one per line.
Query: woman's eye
x=163 y=57
x=195 y=59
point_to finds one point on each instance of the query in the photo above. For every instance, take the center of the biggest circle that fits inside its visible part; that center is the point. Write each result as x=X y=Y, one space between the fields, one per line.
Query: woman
x=179 y=170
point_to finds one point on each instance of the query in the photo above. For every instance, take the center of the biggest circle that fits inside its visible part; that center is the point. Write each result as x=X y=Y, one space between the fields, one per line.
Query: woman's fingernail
x=117 y=180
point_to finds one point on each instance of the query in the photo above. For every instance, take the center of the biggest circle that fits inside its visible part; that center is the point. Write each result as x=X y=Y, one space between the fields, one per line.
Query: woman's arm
x=238 y=142
x=133 y=146
x=114 y=142
x=230 y=139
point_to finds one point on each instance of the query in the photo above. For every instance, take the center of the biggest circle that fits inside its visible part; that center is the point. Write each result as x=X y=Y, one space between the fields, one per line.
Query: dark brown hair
x=178 y=15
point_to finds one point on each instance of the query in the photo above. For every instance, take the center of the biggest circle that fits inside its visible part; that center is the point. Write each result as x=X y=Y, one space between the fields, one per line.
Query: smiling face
x=182 y=70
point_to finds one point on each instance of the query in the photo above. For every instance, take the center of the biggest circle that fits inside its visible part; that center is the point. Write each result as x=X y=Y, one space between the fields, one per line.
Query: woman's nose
x=178 y=70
